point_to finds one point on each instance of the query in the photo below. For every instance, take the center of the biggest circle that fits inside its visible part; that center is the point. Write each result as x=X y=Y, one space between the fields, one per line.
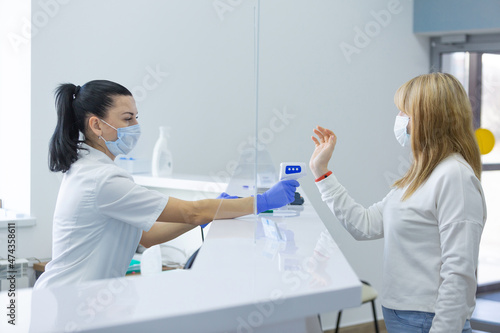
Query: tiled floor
x=363 y=328
x=495 y=296
x=486 y=316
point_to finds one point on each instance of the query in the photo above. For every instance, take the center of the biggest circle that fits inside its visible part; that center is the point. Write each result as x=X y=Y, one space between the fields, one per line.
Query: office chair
x=191 y=259
x=368 y=294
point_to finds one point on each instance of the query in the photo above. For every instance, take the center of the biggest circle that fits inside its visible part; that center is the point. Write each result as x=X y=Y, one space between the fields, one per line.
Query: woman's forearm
x=162 y=232
x=217 y=209
x=204 y=211
x=231 y=208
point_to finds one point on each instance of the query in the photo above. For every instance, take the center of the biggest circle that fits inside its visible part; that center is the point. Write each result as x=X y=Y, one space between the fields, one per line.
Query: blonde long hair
x=440 y=125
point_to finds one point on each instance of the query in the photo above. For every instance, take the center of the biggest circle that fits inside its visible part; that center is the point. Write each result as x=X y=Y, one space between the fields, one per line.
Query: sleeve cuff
x=328 y=186
x=156 y=214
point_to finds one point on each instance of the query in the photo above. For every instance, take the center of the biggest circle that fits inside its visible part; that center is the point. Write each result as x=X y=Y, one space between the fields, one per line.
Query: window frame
x=476 y=45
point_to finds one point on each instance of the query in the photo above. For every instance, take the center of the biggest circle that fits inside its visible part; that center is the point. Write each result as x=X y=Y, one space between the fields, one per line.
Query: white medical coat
x=98 y=221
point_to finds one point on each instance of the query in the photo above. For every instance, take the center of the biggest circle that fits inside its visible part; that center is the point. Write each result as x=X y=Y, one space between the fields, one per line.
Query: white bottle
x=151 y=261
x=162 y=164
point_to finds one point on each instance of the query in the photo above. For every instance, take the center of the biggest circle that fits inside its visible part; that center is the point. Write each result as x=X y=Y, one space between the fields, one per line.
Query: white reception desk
x=252 y=274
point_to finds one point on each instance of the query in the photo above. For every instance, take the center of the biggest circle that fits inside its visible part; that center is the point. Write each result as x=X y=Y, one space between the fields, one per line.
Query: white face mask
x=400 y=130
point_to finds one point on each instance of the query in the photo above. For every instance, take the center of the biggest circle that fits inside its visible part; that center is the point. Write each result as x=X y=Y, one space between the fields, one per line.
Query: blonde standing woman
x=433 y=217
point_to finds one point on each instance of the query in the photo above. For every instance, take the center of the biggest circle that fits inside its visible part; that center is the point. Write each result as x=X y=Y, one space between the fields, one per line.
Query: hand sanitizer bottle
x=151 y=261
x=162 y=165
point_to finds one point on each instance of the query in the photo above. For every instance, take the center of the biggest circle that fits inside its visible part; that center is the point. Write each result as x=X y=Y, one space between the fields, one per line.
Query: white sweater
x=431 y=241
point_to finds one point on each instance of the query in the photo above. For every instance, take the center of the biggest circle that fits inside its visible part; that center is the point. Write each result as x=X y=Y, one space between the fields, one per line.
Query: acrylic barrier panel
x=285 y=67
x=189 y=68
x=250 y=176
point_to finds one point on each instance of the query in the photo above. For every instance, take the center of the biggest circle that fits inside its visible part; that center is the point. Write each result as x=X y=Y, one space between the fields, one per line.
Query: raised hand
x=325 y=144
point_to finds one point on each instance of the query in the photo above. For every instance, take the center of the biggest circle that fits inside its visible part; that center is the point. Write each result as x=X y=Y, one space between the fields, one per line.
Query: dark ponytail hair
x=74 y=104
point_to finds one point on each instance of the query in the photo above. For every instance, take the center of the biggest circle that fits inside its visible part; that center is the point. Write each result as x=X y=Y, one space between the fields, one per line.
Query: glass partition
x=191 y=70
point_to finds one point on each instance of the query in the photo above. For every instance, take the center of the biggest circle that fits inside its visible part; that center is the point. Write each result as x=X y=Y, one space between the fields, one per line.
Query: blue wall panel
x=437 y=17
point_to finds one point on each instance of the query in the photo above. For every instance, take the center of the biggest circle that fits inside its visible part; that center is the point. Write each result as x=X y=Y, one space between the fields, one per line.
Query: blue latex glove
x=281 y=194
x=223 y=195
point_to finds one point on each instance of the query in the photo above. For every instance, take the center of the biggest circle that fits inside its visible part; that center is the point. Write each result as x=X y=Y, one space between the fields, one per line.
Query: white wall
x=208 y=96
x=304 y=68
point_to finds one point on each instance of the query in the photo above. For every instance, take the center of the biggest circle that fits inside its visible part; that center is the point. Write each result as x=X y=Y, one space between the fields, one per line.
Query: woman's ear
x=95 y=126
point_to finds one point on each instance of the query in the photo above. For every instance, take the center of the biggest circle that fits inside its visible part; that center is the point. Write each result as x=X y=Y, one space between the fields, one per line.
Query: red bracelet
x=324 y=176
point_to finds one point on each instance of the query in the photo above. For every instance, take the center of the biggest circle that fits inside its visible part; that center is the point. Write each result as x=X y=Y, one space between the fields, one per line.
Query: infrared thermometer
x=292 y=170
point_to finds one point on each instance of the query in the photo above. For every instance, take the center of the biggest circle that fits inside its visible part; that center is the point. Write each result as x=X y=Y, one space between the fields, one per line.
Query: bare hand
x=325 y=144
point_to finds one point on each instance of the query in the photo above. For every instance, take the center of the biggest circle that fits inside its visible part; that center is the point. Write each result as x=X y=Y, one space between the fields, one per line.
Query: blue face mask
x=127 y=138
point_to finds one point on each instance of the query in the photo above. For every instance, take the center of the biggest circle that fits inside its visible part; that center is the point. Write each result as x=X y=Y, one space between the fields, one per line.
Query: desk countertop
x=251 y=273
x=182 y=182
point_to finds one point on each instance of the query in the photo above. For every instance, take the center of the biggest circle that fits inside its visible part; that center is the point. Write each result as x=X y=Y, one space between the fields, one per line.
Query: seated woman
x=101 y=215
